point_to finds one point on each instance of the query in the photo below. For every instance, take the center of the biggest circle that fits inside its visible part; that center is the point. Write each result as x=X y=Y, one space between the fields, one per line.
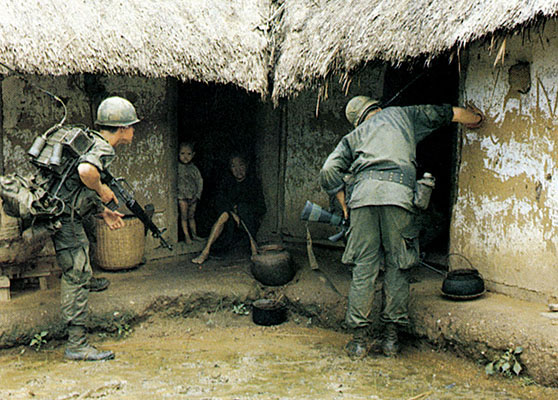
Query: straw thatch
x=325 y=37
x=299 y=42
x=202 y=40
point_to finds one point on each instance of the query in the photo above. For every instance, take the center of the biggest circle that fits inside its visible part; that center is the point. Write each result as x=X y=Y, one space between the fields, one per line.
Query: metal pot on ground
x=269 y=312
x=460 y=284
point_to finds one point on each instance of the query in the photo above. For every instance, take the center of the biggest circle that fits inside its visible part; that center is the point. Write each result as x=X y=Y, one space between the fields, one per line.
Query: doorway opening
x=437 y=154
x=219 y=120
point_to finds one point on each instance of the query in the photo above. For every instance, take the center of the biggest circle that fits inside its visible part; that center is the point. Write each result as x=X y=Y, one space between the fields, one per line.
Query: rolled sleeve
x=101 y=155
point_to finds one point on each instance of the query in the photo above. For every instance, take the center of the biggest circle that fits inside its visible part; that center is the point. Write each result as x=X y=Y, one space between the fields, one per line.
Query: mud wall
x=269 y=124
x=146 y=163
x=311 y=132
x=505 y=219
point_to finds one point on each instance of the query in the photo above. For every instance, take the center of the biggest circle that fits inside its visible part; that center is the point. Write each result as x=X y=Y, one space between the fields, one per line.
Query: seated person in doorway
x=190 y=185
x=240 y=205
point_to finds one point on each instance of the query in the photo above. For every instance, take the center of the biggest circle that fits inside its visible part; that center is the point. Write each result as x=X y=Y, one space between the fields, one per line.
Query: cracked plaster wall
x=309 y=141
x=145 y=163
x=505 y=220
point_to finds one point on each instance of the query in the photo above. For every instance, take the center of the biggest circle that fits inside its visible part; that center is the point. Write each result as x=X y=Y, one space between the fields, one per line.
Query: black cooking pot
x=268 y=312
x=461 y=284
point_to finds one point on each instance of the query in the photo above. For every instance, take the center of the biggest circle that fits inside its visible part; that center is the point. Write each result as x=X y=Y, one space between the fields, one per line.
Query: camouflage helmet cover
x=357 y=108
x=116 y=111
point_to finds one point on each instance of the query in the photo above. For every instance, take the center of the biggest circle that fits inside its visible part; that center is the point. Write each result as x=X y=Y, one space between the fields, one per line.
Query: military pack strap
x=390 y=176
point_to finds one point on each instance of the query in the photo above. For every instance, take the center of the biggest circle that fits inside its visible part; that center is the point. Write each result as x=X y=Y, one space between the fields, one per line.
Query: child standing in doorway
x=190 y=185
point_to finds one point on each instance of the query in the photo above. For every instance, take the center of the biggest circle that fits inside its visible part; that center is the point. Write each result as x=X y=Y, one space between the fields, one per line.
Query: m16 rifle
x=126 y=198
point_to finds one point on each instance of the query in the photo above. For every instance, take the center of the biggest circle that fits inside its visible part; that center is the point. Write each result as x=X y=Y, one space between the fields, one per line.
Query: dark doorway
x=218 y=119
x=436 y=154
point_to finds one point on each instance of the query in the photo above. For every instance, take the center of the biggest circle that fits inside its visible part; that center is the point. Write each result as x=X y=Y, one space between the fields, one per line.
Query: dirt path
x=224 y=355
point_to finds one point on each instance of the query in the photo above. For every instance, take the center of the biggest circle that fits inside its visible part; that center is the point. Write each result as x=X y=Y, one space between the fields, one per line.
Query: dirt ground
x=221 y=354
x=188 y=333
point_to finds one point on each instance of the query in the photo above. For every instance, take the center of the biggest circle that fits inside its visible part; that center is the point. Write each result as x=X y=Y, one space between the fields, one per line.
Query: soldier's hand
x=107 y=195
x=113 y=219
x=475 y=110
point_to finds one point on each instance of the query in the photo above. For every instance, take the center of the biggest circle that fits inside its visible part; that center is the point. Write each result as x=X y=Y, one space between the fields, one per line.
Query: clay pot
x=272 y=266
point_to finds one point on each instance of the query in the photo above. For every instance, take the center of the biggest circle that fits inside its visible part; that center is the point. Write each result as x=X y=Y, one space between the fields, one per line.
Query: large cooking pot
x=460 y=284
x=272 y=266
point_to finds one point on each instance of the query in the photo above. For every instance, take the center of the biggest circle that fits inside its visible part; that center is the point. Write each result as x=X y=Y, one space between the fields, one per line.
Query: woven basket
x=121 y=248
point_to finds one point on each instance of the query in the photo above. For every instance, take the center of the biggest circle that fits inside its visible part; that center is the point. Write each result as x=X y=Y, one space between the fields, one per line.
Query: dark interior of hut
x=436 y=154
x=218 y=119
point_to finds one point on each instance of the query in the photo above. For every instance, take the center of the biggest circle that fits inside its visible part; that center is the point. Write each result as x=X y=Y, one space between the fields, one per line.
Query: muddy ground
x=222 y=354
x=180 y=331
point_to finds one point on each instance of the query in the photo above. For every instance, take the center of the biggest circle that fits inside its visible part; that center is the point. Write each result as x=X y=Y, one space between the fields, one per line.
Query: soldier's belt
x=391 y=176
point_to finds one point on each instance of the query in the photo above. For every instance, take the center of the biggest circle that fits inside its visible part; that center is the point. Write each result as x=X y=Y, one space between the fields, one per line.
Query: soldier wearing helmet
x=84 y=195
x=380 y=154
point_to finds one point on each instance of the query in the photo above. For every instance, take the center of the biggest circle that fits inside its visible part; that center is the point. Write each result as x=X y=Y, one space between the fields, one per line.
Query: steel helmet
x=116 y=111
x=358 y=107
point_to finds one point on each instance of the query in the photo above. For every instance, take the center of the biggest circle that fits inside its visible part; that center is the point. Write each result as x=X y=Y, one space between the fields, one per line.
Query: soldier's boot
x=97 y=284
x=78 y=349
x=390 y=344
x=357 y=347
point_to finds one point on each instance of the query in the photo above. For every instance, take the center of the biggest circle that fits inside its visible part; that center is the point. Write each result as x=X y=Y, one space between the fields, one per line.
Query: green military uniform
x=57 y=200
x=70 y=241
x=381 y=155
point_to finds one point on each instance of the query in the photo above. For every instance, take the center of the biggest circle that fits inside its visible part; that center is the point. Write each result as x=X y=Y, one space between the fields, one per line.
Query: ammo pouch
x=410 y=253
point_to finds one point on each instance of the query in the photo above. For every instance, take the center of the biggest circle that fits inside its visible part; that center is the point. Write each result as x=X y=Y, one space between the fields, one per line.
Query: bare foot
x=200 y=259
x=197 y=238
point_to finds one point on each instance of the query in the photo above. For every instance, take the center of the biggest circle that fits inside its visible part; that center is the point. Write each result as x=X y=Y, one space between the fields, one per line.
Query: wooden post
x=4 y=288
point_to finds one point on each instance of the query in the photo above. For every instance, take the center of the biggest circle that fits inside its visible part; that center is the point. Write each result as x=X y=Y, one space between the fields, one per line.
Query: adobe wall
x=505 y=220
x=145 y=163
x=309 y=138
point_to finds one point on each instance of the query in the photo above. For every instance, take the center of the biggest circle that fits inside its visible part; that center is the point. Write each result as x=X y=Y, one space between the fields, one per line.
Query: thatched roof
x=300 y=42
x=325 y=37
x=204 y=40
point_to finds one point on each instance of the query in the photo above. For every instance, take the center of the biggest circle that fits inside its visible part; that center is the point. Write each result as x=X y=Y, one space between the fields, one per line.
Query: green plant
x=38 y=340
x=526 y=381
x=122 y=329
x=241 y=309
x=507 y=364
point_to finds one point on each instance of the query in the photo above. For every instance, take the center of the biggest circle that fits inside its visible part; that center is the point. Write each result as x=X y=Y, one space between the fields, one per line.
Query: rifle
x=124 y=196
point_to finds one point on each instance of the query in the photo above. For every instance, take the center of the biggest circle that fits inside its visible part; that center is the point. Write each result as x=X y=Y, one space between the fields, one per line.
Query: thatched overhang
x=321 y=38
x=201 y=40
